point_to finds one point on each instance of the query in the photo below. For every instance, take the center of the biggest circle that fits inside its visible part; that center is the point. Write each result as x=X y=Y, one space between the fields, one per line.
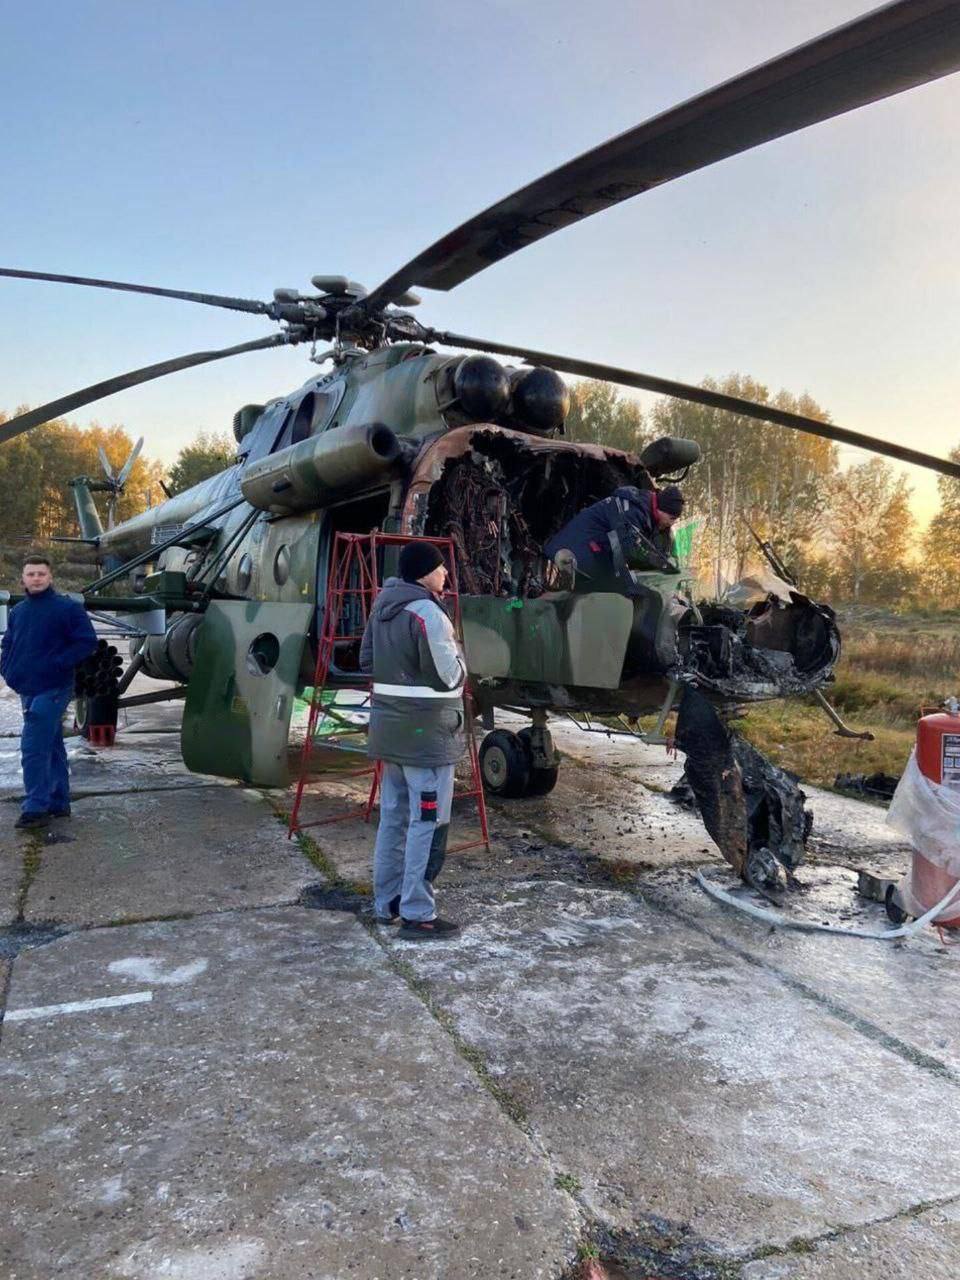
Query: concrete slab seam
x=6 y=977
x=470 y=1054
x=319 y=858
x=123 y=922
x=57 y=930
x=473 y=1057
x=76 y=796
x=405 y=971
x=857 y=1022
x=807 y=1244
x=32 y=858
x=661 y=1255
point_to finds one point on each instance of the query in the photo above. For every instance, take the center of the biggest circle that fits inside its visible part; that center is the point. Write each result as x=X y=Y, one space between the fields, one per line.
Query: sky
x=237 y=147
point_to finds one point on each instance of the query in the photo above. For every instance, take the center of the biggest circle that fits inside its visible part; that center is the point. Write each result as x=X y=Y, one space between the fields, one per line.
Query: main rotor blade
x=884 y=52
x=208 y=299
x=702 y=395
x=46 y=412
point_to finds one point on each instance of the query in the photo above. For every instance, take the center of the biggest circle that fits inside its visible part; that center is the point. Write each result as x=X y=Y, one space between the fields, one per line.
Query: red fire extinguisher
x=938 y=758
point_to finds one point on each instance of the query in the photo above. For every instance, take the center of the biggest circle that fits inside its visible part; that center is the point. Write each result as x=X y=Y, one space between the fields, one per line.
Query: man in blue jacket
x=47 y=635
x=640 y=519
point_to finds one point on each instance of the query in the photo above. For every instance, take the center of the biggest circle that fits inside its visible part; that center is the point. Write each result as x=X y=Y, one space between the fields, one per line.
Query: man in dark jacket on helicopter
x=417 y=732
x=631 y=525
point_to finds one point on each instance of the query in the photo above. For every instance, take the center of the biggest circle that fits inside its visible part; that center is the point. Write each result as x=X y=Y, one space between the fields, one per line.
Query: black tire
x=542 y=781
x=504 y=765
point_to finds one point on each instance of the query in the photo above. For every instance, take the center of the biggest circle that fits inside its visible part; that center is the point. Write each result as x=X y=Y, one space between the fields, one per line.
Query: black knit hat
x=417 y=559
x=670 y=500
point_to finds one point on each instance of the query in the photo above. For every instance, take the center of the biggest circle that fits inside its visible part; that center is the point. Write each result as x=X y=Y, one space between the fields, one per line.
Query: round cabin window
x=281 y=566
x=244 y=572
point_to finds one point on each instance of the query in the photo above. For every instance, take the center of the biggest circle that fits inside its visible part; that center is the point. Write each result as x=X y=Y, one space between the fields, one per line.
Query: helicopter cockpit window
x=303 y=419
x=314 y=413
x=265 y=436
x=284 y=424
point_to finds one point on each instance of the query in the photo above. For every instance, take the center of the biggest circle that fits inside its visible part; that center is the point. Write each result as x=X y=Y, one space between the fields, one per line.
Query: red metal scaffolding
x=352 y=586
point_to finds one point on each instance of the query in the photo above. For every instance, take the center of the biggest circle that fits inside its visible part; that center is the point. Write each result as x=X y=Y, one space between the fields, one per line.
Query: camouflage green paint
x=397 y=386
x=658 y=610
x=562 y=639
x=322 y=469
x=236 y=720
x=400 y=386
x=135 y=535
x=88 y=516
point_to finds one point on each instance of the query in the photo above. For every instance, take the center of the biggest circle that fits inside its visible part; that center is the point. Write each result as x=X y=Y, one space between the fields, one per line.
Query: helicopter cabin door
x=240 y=697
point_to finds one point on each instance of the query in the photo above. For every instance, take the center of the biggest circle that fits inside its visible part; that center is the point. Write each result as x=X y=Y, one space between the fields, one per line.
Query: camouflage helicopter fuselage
x=402 y=439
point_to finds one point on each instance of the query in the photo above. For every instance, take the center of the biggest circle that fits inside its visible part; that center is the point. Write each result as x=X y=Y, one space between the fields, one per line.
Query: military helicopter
x=399 y=436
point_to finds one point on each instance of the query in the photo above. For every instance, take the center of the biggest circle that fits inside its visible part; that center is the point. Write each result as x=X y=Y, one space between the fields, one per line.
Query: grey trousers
x=412 y=837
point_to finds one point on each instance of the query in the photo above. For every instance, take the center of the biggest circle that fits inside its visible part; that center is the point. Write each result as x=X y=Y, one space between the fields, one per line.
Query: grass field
x=891 y=665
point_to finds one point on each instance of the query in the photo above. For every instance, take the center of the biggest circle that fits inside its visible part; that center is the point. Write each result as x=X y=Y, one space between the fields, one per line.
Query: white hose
x=781 y=922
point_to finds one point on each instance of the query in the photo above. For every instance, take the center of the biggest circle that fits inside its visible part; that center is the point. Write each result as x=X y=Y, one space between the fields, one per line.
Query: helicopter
x=424 y=432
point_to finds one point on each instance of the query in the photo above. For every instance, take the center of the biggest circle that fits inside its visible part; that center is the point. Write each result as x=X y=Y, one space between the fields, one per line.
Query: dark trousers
x=46 y=780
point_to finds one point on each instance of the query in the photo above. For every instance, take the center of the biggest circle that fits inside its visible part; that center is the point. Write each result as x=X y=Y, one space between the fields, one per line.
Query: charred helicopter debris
x=753 y=811
x=875 y=786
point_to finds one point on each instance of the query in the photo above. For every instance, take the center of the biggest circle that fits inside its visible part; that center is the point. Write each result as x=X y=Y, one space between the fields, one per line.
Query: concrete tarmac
x=215 y=1066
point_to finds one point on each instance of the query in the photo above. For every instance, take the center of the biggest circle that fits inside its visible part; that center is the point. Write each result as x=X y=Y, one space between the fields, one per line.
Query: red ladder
x=354 y=579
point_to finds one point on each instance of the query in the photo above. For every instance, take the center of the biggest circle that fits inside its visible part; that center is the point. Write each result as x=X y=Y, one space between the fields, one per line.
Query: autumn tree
x=869 y=528
x=21 y=483
x=35 y=470
x=941 y=542
x=203 y=457
x=600 y=414
x=752 y=472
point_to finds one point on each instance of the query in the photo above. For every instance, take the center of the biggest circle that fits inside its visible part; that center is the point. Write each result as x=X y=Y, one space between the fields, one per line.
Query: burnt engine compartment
x=785 y=640
x=503 y=499
x=504 y=496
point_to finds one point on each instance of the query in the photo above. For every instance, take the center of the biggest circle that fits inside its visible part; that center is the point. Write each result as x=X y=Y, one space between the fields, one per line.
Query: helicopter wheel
x=542 y=781
x=504 y=765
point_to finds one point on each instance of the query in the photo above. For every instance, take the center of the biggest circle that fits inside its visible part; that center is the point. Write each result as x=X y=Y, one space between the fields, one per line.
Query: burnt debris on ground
x=874 y=786
x=753 y=811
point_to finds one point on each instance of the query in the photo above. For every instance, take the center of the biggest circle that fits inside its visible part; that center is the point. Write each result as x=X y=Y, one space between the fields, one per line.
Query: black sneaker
x=427 y=930
x=27 y=821
x=394 y=909
x=60 y=813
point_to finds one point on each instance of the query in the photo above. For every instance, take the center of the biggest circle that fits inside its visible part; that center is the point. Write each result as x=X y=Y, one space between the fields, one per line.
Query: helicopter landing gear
x=520 y=764
x=504 y=765
x=544 y=759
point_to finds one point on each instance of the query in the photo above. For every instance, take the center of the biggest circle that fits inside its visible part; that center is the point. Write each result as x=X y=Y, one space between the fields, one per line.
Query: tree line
x=847 y=534
x=35 y=470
